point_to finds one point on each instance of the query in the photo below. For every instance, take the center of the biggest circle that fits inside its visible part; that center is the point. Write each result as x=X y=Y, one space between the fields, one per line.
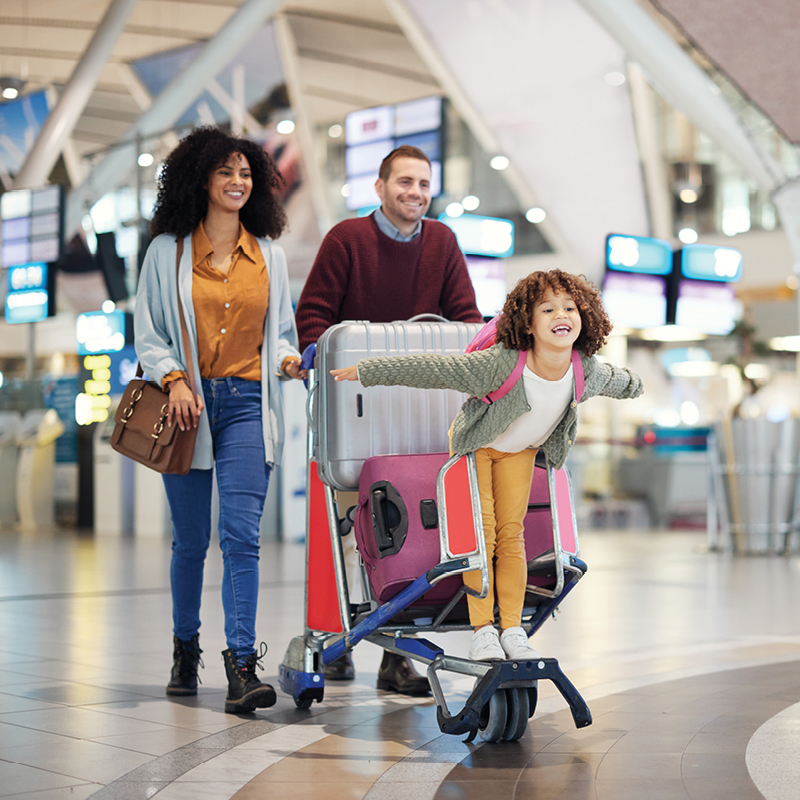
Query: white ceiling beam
x=684 y=85
x=61 y=121
x=170 y=104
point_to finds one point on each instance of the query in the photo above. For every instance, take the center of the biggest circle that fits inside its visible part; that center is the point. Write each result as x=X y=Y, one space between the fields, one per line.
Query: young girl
x=547 y=314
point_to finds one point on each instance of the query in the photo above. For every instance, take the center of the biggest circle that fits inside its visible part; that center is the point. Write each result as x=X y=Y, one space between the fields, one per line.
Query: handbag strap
x=187 y=348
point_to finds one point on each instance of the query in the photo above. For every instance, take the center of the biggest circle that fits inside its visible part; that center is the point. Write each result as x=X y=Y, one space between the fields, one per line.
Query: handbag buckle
x=159 y=426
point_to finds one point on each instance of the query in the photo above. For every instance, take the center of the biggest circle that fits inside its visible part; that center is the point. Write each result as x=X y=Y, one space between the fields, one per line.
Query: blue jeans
x=233 y=406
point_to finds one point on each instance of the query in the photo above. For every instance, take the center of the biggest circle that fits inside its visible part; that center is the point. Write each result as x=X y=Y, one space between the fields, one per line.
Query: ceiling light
x=454 y=210
x=285 y=126
x=535 y=215
x=10 y=87
x=145 y=159
x=688 y=196
x=615 y=78
x=345 y=190
x=687 y=235
x=470 y=202
x=335 y=131
x=499 y=162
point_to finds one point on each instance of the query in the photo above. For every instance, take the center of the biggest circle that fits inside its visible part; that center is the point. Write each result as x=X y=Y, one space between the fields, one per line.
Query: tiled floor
x=690 y=662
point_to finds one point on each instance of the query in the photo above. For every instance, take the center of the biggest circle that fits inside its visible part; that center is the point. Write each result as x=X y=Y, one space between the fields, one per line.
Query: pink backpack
x=487 y=336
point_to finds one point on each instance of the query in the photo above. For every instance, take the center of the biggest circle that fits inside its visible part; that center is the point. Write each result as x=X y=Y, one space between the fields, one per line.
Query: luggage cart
x=344 y=434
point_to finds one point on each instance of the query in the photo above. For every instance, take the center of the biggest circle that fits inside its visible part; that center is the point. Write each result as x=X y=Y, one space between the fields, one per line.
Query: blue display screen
x=707 y=262
x=27 y=299
x=482 y=236
x=638 y=254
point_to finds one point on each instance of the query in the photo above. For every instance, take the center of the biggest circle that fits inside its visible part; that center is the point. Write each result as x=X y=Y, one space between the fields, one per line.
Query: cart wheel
x=493 y=717
x=517 y=721
x=303 y=702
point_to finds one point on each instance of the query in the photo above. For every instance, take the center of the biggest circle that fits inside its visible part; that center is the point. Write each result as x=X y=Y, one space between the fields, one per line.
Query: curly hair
x=182 y=201
x=515 y=322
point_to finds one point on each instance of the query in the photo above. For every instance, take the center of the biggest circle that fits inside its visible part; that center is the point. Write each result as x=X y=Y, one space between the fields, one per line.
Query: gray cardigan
x=159 y=344
x=478 y=423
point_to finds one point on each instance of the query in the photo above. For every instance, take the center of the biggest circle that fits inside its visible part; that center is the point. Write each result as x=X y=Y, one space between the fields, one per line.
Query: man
x=386 y=267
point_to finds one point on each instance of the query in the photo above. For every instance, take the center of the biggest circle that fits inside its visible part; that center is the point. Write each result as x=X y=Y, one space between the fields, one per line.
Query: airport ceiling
x=352 y=54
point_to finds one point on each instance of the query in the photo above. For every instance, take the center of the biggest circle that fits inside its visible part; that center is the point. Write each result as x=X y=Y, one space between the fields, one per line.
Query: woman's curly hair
x=515 y=322
x=182 y=194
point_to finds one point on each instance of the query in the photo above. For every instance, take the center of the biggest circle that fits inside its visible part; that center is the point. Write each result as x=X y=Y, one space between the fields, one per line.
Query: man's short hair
x=404 y=151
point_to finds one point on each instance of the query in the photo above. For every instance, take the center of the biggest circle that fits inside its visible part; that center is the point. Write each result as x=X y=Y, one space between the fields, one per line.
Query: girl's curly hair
x=182 y=201
x=513 y=326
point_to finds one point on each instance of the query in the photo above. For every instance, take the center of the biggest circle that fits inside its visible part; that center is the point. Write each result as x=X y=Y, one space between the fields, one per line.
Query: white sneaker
x=516 y=646
x=485 y=645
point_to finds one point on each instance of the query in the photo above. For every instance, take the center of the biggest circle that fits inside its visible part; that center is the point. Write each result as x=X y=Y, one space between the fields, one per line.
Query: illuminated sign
x=638 y=254
x=706 y=262
x=708 y=307
x=92 y=404
x=372 y=133
x=99 y=332
x=635 y=301
x=27 y=298
x=482 y=236
x=31 y=225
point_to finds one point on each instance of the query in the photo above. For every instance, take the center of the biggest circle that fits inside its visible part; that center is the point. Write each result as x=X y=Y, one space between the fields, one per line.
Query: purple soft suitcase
x=396 y=525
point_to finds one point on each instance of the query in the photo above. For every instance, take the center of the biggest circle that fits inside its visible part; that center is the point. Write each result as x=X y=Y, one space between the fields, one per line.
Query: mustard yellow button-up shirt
x=230 y=309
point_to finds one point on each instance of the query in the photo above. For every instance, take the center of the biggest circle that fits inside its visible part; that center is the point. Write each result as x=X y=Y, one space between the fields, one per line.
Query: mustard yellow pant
x=504 y=483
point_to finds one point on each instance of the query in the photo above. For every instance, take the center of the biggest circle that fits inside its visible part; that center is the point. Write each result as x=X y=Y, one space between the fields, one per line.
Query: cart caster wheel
x=494 y=717
x=518 y=714
x=303 y=703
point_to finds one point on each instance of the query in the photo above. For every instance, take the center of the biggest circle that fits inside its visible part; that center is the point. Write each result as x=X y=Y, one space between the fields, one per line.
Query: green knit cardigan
x=476 y=374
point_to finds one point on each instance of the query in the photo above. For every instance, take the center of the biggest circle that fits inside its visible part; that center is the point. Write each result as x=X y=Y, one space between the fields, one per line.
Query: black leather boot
x=245 y=690
x=185 y=660
x=397 y=674
x=340 y=670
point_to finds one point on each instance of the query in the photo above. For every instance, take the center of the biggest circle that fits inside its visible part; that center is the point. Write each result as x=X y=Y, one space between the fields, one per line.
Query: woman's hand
x=345 y=374
x=293 y=370
x=183 y=408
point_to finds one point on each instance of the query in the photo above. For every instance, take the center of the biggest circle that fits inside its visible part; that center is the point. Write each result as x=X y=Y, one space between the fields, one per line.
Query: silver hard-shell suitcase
x=382 y=420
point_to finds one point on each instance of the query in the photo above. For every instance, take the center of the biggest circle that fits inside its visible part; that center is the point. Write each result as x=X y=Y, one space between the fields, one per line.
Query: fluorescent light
x=757 y=372
x=672 y=333
x=499 y=162
x=790 y=344
x=693 y=369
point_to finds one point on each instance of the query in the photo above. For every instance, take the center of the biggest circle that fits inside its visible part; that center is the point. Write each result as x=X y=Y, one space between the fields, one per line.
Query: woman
x=216 y=195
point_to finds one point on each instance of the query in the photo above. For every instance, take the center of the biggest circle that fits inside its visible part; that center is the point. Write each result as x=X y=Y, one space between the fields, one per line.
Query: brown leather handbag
x=141 y=431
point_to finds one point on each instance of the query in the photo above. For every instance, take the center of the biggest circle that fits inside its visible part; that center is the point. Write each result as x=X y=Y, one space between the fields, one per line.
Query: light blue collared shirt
x=391 y=231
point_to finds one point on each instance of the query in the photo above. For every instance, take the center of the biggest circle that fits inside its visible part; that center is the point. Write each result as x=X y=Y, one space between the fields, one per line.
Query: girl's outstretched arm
x=345 y=374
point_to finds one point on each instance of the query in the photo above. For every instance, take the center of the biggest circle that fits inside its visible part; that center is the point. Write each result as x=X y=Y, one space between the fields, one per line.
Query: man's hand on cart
x=345 y=374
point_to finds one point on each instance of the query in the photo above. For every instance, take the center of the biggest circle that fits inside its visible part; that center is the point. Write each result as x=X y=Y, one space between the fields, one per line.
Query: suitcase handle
x=419 y=317
x=389 y=534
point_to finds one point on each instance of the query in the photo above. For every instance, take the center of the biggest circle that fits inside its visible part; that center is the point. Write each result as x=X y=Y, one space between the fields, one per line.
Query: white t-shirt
x=548 y=401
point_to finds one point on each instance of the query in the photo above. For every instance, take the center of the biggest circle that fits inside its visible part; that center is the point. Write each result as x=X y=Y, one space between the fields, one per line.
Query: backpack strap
x=503 y=390
x=577 y=371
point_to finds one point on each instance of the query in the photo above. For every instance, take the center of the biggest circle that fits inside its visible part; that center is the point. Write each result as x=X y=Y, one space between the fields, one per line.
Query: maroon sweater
x=360 y=273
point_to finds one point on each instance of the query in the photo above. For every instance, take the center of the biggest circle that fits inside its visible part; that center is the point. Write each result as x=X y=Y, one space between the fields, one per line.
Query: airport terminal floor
x=689 y=660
